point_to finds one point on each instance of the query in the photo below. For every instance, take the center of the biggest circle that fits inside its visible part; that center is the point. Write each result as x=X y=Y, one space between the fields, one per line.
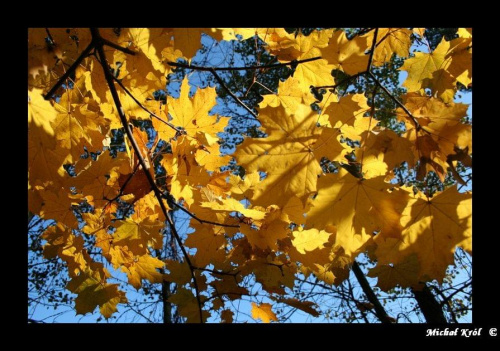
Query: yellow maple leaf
x=347 y=55
x=294 y=209
x=138 y=233
x=382 y=151
x=93 y=291
x=289 y=95
x=61 y=242
x=240 y=188
x=70 y=131
x=59 y=207
x=404 y=274
x=41 y=113
x=48 y=59
x=99 y=178
x=35 y=201
x=273 y=272
x=440 y=69
x=179 y=272
x=459 y=60
x=441 y=130
x=210 y=156
x=423 y=65
x=432 y=230
x=310 y=239
x=311 y=248
x=191 y=114
x=289 y=155
x=229 y=287
x=390 y=41
x=188 y=40
x=230 y=205
x=289 y=47
x=151 y=42
x=264 y=312
x=186 y=176
x=164 y=131
x=187 y=305
x=345 y=111
x=270 y=229
x=357 y=208
x=209 y=242
x=137 y=267
x=44 y=160
x=148 y=206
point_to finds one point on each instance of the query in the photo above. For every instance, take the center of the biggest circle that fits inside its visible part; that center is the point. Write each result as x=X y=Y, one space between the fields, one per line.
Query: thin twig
x=393 y=98
x=117 y=47
x=363 y=32
x=244 y=68
x=96 y=38
x=372 y=50
x=216 y=272
x=458 y=290
x=345 y=80
x=50 y=36
x=73 y=67
x=221 y=82
x=122 y=188
x=447 y=303
x=202 y=220
x=180 y=132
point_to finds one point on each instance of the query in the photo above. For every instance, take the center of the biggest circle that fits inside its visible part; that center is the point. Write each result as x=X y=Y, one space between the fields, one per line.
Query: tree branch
x=431 y=309
x=96 y=38
x=217 y=272
x=117 y=47
x=180 y=132
x=221 y=82
x=244 y=68
x=214 y=70
x=393 y=98
x=70 y=70
x=447 y=303
x=345 y=80
x=372 y=50
x=367 y=289
x=202 y=220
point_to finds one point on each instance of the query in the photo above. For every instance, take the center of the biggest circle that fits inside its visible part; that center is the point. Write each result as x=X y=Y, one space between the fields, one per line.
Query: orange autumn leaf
x=263 y=312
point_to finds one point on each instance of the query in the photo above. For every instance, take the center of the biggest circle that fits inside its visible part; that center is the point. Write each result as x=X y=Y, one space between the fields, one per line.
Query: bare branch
x=117 y=47
x=221 y=82
x=244 y=68
x=372 y=50
x=73 y=67
x=145 y=108
x=393 y=98
x=202 y=220
x=348 y=79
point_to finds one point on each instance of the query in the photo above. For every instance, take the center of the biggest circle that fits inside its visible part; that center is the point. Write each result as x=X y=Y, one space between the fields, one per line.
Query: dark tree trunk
x=367 y=289
x=167 y=306
x=431 y=309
